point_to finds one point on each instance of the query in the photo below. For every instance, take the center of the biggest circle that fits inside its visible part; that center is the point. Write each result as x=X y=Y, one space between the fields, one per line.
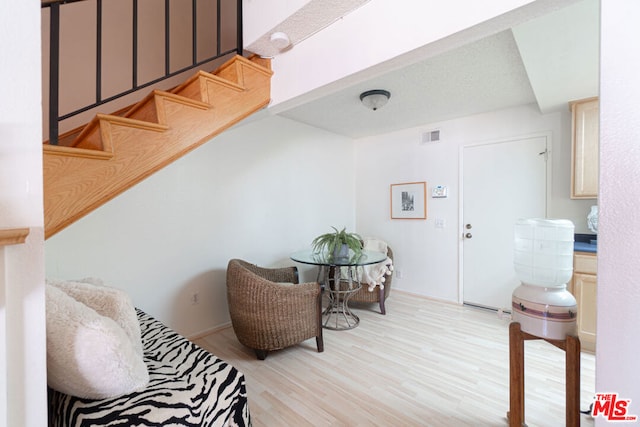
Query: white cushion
x=89 y=355
x=373 y=274
x=373 y=244
x=107 y=301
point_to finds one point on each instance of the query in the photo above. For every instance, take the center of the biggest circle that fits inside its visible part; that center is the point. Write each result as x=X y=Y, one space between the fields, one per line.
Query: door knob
x=468 y=235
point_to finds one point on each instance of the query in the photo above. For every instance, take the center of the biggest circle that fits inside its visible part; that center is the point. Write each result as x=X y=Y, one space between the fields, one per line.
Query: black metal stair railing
x=54 y=54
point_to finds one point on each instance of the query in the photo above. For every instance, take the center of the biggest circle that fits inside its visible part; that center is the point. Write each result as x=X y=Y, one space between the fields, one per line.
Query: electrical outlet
x=398 y=274
x=195 y=298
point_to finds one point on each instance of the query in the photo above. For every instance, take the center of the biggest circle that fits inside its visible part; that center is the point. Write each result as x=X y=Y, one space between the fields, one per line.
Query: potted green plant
x=338 y=243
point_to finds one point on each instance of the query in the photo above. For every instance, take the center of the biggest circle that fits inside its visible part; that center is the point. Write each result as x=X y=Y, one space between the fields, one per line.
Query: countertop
x=583 y=243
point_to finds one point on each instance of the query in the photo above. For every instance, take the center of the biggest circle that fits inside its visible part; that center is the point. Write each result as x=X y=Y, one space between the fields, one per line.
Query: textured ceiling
x=482 y=76
x=561 y=54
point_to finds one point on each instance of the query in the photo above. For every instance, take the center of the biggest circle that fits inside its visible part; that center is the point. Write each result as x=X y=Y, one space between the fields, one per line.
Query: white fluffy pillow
x=106 y=301
x=89 y=355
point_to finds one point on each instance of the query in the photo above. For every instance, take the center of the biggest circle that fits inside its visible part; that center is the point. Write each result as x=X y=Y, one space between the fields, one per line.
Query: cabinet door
x=584 y=160
x=585 y=262
x=584 y=288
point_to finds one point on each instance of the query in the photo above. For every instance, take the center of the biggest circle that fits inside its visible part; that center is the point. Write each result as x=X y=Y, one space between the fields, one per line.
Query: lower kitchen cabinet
x=584 y=289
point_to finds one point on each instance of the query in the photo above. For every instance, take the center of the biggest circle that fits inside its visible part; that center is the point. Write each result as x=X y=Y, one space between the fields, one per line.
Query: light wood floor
x=426 y=363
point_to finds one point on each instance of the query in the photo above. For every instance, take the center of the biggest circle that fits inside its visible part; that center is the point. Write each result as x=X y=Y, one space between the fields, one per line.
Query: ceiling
x=546 y=61
x=483 y=76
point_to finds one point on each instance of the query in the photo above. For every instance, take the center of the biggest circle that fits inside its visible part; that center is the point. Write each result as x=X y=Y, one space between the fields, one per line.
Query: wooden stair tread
x=114 y=152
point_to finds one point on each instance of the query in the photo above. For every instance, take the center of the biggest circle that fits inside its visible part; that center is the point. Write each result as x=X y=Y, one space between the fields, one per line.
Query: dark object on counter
x=585 y=243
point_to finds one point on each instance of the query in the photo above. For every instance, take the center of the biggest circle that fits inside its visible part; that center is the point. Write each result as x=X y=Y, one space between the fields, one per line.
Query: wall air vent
x=431 y=136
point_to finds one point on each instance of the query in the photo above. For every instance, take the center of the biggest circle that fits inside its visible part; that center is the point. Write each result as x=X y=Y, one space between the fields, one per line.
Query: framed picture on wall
x=409 y=200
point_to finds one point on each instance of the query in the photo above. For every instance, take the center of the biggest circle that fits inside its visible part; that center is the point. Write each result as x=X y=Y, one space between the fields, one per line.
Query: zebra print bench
x=188 y=387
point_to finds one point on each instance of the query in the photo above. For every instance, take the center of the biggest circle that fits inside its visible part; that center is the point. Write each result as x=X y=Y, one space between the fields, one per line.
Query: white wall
x=618 y=333
x=22 y=315
x=426 y=255
x=258 y=192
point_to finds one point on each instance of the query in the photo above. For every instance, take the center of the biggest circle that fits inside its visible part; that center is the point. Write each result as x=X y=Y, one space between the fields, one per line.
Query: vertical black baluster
x=194 y=32
x=134 y=76
x=167 y=39
x=54 y=72
x=239 y=39
x=218 y=30
x=99 y=51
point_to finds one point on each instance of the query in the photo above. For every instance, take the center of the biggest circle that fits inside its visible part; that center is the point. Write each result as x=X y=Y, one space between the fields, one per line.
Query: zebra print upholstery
x=188 y=387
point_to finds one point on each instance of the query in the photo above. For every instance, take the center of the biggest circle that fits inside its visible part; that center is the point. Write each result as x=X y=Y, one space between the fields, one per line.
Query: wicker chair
x=377 y=295
x=268 y=312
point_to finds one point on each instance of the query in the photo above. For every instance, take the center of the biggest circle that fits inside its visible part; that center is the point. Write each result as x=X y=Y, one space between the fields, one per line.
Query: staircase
x=114 y=152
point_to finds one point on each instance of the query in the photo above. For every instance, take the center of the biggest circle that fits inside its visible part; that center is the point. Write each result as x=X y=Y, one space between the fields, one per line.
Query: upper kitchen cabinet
x=584 y=150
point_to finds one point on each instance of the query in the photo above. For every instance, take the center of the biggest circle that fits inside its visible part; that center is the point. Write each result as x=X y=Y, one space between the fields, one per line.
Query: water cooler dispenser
x=543 y=261
x=543 y=308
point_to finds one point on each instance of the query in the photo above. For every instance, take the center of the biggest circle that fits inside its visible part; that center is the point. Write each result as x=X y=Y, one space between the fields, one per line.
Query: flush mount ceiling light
x=374 y=99
x=280 y=40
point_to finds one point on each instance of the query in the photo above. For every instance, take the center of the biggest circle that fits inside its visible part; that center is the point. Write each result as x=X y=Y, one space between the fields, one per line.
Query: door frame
x=548 y=187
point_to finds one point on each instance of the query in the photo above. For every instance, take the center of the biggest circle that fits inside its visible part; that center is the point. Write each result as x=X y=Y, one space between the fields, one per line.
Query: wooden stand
x=571 y=346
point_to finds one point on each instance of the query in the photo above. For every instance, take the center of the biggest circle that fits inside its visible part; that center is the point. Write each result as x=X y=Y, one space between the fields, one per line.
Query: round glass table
x=344 y=283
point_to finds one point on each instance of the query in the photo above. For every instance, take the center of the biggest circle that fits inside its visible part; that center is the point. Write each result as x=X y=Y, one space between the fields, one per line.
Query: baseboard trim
x=209 y=331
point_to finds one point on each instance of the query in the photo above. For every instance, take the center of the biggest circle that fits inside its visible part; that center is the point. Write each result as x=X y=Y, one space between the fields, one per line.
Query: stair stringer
x=155 y=132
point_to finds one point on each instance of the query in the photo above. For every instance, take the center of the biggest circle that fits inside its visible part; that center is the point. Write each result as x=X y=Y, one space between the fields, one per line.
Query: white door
x=501 y=182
